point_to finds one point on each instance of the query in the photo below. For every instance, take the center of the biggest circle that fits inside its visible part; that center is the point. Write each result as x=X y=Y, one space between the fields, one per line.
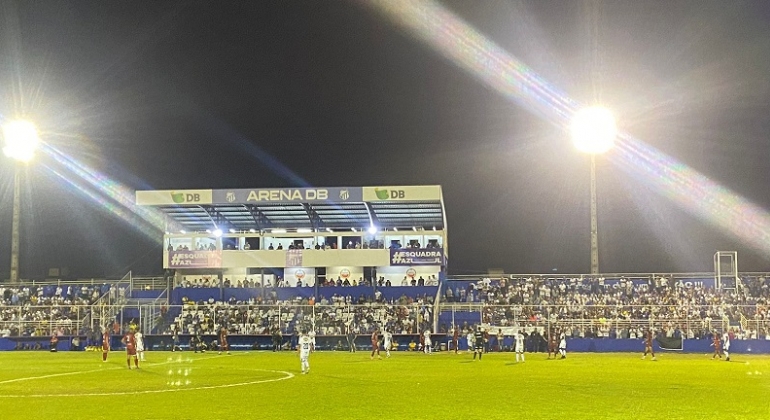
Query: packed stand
x=691 y=310
x=36 y=310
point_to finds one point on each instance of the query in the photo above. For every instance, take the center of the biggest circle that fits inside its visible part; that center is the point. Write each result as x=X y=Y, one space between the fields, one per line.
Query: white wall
x=310 y=258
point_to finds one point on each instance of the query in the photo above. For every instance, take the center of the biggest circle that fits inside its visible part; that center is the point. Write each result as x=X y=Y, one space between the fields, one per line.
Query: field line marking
x=287 y=375
x=56 y=375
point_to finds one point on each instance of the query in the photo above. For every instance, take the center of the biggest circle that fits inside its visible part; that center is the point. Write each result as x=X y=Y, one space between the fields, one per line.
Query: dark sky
x=172 y=95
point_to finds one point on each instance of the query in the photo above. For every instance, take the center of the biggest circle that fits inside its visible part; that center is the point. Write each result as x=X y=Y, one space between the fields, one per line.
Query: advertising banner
x=294 y=258
x=288 y=195
x=194 y=259
x=417 y=256
x=403 y=193
x=173 y=197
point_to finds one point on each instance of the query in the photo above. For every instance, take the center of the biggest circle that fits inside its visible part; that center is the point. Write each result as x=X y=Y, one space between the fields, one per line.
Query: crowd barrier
x=401 y=343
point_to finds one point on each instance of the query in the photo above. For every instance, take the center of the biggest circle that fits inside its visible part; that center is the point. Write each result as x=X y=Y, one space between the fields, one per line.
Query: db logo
x=299 y=274
x=180 y=197
x=344 y=273
x=389 y=194
x=411 y=272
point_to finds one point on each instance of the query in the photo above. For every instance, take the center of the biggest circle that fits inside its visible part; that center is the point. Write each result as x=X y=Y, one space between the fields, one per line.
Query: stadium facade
x=304 y=235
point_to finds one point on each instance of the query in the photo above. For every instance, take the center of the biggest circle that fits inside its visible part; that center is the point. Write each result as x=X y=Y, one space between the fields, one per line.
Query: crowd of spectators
x=208 y=281
x=687 y=309
x=39 y=310
x=334 y=316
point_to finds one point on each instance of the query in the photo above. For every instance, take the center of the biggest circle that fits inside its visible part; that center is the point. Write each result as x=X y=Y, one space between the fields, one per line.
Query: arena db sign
x=288 y=195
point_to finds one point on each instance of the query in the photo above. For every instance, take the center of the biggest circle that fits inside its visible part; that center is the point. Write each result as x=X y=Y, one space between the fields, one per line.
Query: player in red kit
x=130 y=341
x=376 y=344
x=717 y=343
x=105 y=344
x=552 y=344
x=223 y=346
x=648 y=345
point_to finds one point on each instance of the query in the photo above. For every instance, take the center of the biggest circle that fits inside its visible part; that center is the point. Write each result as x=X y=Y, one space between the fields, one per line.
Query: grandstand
x=354 y=259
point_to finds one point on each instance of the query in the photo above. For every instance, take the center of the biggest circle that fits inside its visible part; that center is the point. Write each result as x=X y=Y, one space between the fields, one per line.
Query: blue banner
x=288 y=195
x=417 y=256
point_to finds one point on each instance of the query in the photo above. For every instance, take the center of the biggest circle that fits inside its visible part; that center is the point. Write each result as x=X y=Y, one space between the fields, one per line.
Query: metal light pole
x=15 y=229
x=593 y=132
x=20 y=141
x=594 y=221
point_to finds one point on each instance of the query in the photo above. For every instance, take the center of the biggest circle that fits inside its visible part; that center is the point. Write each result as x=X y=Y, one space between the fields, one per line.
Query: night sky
x=172 y=95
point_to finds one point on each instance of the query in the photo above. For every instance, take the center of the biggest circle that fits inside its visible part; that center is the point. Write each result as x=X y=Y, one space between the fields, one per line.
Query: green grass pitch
x=342 y=385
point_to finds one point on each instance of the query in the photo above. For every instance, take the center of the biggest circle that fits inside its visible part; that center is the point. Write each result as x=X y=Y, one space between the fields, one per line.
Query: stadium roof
x=335 y=208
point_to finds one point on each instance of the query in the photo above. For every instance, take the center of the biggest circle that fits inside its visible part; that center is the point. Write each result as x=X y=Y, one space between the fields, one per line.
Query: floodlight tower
x=593 y=131
x=20 y=140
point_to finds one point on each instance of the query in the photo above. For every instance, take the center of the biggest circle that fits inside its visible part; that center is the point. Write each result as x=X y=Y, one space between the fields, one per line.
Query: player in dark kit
x=130 y=341
x=105 y=344
x=478 y=343
x=456 y=338
x=376 y=344
x=351 y=336
x=223 y=346
x=648 y=345
x=717 y=343
x=552 y=344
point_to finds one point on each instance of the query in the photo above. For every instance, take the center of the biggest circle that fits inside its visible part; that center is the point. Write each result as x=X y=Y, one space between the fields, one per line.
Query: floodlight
x=278 y=231
x=304 y=230
x=182 y=232
x=329 y=230
x=395 y=229
x=20 y=140
x=353 y=229
x=593 y=130
x=414 y=228
x=372 y=229
x=232 y=230
x=208 y=230
x=252 y=230
x=217 y=232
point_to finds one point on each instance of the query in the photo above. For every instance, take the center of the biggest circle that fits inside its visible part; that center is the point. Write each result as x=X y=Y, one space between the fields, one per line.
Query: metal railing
x=158 y=318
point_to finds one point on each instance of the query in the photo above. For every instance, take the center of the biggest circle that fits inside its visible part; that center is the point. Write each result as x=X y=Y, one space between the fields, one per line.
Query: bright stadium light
x=278 y=231
x=182 y=232
x=304 y=230
x=252 y=230
x=217 y=232
x=232 y=230
x=593 y=130
x=372 y=229
x=20 y=140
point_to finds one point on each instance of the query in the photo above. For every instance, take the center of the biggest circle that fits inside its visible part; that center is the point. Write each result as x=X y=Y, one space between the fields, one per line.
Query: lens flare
x=459 y=42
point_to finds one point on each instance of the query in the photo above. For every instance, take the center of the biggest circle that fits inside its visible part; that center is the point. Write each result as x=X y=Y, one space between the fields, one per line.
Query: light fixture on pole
x=20 y=140
x=594 y=131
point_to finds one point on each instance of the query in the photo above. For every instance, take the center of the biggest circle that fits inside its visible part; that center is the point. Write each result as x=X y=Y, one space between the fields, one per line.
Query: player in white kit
x=387 y=337
x=519 y=346
x=139 y=337
x=469 y=337
x=306 y=346
x=563 y=346
x=428 y=343
x=726 y=345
